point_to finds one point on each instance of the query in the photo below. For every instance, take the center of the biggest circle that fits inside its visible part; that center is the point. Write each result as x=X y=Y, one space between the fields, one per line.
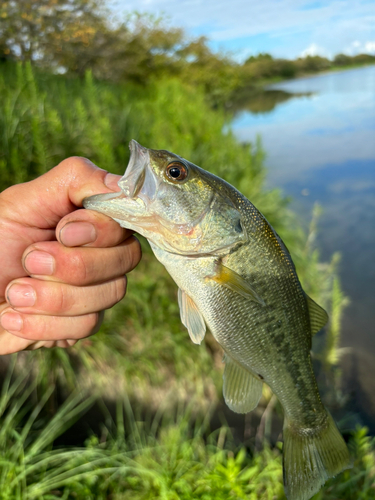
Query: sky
x=284 y=28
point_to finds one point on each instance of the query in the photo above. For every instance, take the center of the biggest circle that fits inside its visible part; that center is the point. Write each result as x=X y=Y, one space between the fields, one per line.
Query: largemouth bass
x=235 y=276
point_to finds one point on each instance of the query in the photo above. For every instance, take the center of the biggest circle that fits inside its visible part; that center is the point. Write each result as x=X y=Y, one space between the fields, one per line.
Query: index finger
x=90 y=228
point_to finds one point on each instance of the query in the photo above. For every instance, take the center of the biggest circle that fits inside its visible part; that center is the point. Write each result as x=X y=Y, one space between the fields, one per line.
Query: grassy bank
x=170 y=456
x=142 y=353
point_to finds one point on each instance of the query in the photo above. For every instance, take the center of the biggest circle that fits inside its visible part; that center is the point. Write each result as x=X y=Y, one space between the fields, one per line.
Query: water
x=321 y=148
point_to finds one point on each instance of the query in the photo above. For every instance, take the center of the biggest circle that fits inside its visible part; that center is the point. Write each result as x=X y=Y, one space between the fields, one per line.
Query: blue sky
x=285 y=28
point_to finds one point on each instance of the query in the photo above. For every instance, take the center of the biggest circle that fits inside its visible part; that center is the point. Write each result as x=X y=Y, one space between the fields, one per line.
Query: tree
x=77 y=35
x=311 y=64
x=33 y=30
x=262 y=56
x=74 y=36
x=342 y=60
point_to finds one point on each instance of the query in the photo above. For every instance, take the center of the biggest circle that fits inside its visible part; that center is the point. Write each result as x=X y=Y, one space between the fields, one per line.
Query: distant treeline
x=74 y=36
x=264 y=66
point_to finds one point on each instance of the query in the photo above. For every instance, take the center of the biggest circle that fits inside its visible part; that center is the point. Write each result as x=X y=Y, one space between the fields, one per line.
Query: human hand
x=60 y=266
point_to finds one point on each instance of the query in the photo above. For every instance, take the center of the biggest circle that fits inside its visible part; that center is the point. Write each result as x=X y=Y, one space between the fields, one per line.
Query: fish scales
x=236 y=276
x=245 y=343
x=291 y=316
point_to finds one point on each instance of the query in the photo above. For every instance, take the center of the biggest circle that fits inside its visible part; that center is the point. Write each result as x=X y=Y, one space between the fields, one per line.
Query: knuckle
x=63 y=301
x=109 y=232
x=79 y=267
x=74 y=168
x=36 y=327
x=73 y=163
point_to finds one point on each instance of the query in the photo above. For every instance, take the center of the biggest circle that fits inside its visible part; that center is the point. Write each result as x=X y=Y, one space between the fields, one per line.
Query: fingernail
x=75 y=234
x=111 y=181
x=12 y=322
x=21 y=295
x=37 y=262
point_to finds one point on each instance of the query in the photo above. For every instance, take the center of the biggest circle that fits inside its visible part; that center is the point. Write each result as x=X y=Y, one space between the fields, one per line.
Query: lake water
x=321 y=148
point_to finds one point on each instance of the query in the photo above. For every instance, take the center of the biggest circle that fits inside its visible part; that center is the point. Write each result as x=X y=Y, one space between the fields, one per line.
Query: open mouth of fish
x=136 y=205
x=138 y=185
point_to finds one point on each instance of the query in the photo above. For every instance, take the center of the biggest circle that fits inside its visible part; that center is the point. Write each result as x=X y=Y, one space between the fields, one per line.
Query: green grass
x=171 y=455
x=142 y=352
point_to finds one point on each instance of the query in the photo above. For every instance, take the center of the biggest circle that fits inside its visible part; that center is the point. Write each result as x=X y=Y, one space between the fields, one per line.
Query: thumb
x=44 y=201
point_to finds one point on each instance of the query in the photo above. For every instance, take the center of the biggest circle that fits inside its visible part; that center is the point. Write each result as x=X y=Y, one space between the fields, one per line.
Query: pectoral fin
x=318 y=316
x=241 y=389
x=226 y=277
x=191 y=317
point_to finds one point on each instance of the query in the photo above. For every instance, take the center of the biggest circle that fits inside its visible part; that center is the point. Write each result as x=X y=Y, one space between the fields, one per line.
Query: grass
x=165 y=456
x=142 y=353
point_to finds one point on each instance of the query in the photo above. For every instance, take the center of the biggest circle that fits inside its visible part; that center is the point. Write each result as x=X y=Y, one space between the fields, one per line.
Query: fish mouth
x=138 y=188
x=132 y=181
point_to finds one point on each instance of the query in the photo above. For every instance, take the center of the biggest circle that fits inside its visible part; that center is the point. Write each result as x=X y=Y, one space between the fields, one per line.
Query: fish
x=236 y=277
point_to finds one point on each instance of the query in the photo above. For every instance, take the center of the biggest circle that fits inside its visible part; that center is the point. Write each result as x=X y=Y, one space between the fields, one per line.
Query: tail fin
x=310 y=457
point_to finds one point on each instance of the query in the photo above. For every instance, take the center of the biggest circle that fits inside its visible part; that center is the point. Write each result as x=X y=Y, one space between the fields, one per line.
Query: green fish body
x=236 y=277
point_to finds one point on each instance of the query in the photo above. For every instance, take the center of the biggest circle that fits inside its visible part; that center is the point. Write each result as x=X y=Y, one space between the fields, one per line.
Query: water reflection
x=347 y=193
x=313 y=131
x=359 y=79
x=259 y=101
x=321 y=148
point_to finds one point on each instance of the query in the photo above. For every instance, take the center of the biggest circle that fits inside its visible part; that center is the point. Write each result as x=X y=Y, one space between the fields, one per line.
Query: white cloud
x=288 y=25
x=314 y=50
x=357 y=47
x=370 y=47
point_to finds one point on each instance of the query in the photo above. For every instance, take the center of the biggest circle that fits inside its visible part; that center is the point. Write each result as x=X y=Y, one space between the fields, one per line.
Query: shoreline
x=308 y=76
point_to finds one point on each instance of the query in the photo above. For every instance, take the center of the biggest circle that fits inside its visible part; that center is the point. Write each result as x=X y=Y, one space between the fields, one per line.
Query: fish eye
x=176 y=171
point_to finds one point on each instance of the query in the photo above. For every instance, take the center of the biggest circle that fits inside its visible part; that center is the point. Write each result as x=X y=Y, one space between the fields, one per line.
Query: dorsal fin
x=318 y=316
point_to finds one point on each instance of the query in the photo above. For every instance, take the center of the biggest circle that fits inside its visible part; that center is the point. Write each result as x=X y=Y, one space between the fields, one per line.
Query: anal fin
x=191 y=317
x=241 y=389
